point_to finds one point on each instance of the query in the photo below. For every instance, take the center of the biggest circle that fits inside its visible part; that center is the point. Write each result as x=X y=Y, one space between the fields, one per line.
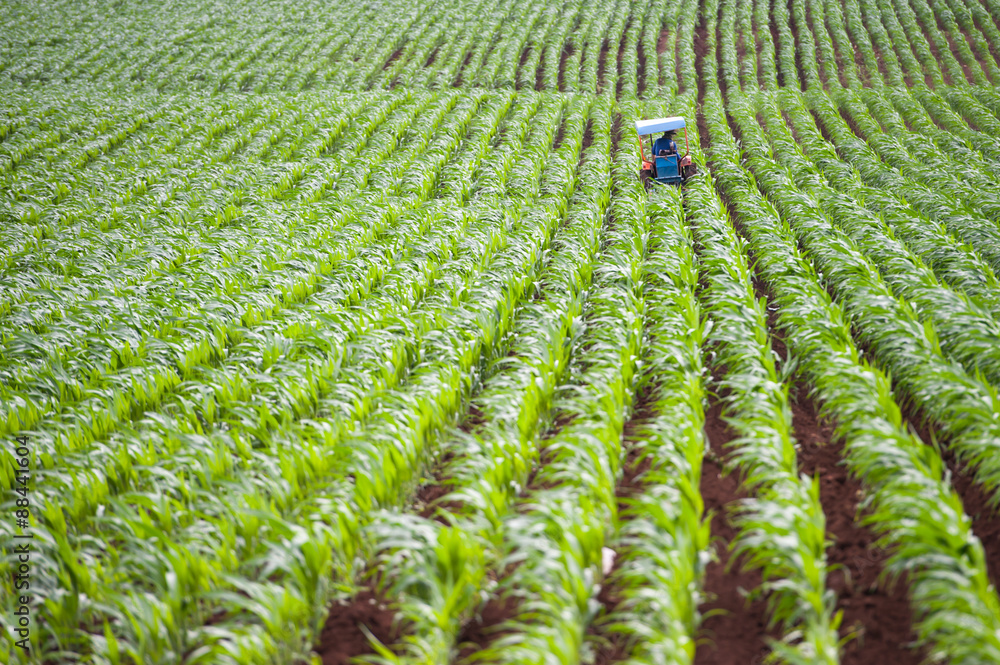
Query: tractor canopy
x=657 y=125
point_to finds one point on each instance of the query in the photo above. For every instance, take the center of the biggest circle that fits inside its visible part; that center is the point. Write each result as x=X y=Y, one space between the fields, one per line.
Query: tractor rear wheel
x=645 y=175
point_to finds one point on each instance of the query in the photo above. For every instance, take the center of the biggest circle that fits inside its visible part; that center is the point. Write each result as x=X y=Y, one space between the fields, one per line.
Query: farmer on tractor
x=665 y=164
x=665 y=145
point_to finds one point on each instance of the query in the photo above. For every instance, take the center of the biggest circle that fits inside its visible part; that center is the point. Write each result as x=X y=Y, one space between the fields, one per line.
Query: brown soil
x=794 y=27
x=985 y=520
x=610 y=647
x=737 y=630
x=563 y=57
x=741 y=46
x=880 y=61
x=428 y=502
x=342 y=639
x=826 y=135
x=432 y=57
x=621 y=56
x=810 y=23
x=663 y=42
x=461 y=71
x=588 y=139
x=756 y=48
x=556 y=142
x=859 y=63
x=393 y=58
x=850 y=123
x=640 y=75
x=700 y=49
x=540 y=73
x=681 y=88
x=935 y=52
x=588 y=135
x=791 y=126
x=838 y=58
x=485 y=626
x=775 y=41
x=881 y=616
x=473 y=417
x=602 y=63
x=720 y=78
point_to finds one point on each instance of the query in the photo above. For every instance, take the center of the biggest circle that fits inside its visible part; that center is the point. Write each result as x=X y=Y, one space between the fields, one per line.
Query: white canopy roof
x=656 y=125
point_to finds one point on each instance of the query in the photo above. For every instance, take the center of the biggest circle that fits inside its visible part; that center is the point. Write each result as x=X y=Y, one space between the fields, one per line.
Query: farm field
x=336 y=331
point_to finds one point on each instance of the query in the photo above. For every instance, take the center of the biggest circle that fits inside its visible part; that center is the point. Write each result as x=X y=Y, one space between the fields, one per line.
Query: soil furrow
x=735 y=629
x=880 y=616
x=342 y=637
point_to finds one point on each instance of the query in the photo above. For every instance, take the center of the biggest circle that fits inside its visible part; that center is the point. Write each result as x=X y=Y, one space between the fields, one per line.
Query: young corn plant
x=662 y=546
x=782 y=529
x=908 y=503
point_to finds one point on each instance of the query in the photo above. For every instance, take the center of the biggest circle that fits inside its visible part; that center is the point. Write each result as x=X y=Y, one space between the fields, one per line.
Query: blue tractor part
x=666 y=170
x=667 y=167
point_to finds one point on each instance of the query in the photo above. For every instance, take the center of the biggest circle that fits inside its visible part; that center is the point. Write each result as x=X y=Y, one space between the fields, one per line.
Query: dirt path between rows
x=736 y=630
x=880 y=616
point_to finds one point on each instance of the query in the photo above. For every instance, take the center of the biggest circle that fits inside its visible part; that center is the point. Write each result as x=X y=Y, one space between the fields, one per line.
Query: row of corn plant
x=553 y=546
x=132 y=262
x=728 y=60
x=960 y=181
x=889 y=326
x=908 y=501
x=491 y=462
x=952 y=261
x=782 y=528
x=264 y=475
x=662 y=540
x=966 y=224
x=744 y=36
x=365 y=268
x=968 y=333
x=313 y=284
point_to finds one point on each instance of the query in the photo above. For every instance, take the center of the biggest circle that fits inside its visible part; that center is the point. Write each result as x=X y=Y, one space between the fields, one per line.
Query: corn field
x=347 y=332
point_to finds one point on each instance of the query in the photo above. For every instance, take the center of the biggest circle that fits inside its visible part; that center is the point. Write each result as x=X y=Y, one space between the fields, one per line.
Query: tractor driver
x=665 y=144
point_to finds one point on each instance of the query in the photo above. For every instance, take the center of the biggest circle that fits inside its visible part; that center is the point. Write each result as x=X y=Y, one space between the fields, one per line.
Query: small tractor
x=665 y=165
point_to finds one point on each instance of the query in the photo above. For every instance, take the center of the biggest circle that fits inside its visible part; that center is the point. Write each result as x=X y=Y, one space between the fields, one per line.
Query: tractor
x=667 y=167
